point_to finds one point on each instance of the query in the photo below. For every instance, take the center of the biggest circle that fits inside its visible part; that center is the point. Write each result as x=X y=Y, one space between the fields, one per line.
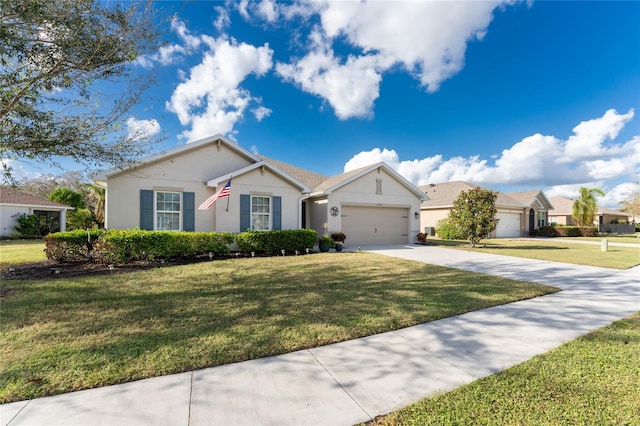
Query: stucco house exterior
x=14 y=203
x=562 y=214
x=519 y=212
x=371 y=205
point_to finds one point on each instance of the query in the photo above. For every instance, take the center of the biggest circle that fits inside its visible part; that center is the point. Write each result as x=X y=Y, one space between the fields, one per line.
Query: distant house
x=519 y=212
x=562 y=214
x=13 y=204
x=371 y=205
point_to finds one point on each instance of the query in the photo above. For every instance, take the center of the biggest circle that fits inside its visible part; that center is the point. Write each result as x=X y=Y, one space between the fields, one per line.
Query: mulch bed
x=50 y=269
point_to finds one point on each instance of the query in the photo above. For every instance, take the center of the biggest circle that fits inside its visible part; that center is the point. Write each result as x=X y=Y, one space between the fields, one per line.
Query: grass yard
x=14 y=252
x=64 y=334
x=554 y=250
x=592 y=380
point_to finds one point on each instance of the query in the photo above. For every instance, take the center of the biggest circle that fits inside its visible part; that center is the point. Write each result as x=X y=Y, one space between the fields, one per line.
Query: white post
x=604 y=245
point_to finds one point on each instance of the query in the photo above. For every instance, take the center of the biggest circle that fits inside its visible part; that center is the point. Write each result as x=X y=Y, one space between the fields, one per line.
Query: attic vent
x=378 y=186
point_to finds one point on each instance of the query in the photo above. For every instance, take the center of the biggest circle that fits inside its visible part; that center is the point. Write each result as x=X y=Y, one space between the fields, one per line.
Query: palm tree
x=585 y=207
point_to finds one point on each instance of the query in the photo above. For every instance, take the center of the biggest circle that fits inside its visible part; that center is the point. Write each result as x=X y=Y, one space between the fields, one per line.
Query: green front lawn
x=15 y=252
x=553 y=250
x=592 y=380
x=64 y=334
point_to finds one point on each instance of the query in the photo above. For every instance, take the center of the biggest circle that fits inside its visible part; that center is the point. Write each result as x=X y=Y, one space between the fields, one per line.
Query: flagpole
x=229 y=197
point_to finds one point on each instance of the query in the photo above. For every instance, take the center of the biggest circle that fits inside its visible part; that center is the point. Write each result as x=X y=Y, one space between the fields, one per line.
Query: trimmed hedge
x=71 y=246
x=273 y=242
x=124 y=246
x=568 y=231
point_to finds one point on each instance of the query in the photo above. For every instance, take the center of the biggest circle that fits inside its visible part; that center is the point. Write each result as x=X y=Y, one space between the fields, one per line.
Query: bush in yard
x=71 y=246
x=567 y=231
x=448 y=231
x=124 y=246
x=273 y=242
x=28 y=224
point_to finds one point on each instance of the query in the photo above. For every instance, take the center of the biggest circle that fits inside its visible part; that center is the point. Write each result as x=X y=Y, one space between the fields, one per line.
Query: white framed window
x=260 y=213
x=541 y=218
x=168 y=211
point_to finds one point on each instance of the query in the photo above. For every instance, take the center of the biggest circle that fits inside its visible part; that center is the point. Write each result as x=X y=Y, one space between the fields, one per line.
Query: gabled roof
x=309 y=178
x=530 y=198
x=563 y=206
x=222 y=179
x=338 y=181
x=17 y=198
x=442 y=195
x=102 y=175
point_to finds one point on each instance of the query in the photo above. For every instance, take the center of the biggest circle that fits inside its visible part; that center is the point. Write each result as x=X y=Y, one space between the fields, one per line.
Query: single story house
x=371 y=205
x=519 y=212
x=562 y=214
x=14 y=203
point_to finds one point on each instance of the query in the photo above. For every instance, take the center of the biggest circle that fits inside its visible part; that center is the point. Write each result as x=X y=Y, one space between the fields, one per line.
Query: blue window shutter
x=146 y=209
x=188 y=211
x=277 y=213
x=245 y=212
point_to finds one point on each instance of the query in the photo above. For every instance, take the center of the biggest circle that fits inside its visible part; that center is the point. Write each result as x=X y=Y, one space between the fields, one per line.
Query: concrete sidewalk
x=354 y=381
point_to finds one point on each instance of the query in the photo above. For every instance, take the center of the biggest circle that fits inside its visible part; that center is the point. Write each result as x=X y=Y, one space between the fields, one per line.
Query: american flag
x=225 y=191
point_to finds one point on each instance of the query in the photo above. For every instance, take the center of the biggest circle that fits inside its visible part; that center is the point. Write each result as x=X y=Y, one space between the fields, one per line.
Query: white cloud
x=536 y=161
x=210 y=98
x=589 y=136
x=351 y=87
x=261 y=112
x=142 y=129
x=427 y=39
x=223 y=21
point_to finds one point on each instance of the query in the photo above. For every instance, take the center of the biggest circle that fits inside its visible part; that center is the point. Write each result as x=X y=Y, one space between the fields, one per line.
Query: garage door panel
x=508 y=226
x=375 y=225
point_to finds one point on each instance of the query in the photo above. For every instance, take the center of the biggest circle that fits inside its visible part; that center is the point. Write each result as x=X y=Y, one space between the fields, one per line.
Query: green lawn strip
x=14 y=252
x=592 y=380
x=68 y=334
x=555 y=251
x=612 y=238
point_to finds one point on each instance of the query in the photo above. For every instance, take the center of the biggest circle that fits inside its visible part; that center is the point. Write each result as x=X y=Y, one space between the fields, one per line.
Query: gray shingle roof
x=564 y=207
x=13 y=196
x=444 y=194
x=309 y=178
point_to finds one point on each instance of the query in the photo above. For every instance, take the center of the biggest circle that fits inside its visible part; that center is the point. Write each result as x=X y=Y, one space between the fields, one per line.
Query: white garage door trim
x=371 y=225
x=509 y=225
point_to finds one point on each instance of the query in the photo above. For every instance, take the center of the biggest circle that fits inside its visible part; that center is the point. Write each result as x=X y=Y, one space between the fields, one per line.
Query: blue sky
x=508 y=95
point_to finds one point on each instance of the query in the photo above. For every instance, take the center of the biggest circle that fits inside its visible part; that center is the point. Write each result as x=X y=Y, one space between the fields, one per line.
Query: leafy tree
x=80 y=219
x=67 y=196
x=585 y=207
x=57 y=59
x=632 y=205
x=474 y=214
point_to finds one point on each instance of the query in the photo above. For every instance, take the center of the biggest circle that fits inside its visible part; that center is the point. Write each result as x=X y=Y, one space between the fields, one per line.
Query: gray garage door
x=375 y=225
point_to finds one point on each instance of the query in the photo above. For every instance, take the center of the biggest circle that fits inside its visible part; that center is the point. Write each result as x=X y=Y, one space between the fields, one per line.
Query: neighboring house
x=519 y=212
x=371 y=205
x=562 y=214
x=13 y=204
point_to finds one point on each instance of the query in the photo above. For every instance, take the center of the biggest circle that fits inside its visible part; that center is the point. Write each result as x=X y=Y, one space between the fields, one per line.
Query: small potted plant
x=338 y=240
x=325 y=242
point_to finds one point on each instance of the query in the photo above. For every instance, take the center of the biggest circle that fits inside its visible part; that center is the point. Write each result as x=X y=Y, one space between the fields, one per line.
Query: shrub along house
x=371 y=205
x=519 y=212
